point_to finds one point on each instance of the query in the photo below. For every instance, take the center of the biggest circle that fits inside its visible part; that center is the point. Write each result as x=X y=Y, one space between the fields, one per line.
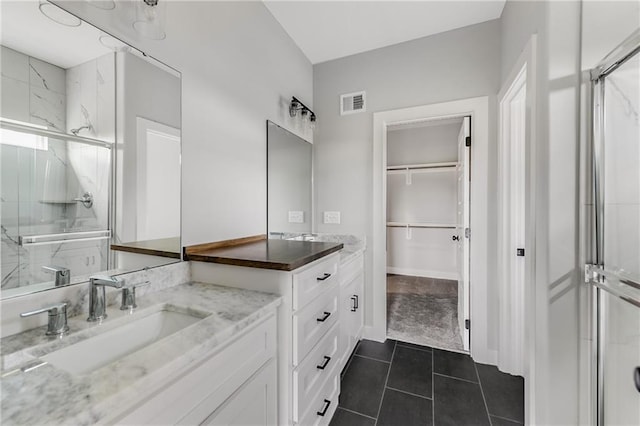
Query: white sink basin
x=105 y=348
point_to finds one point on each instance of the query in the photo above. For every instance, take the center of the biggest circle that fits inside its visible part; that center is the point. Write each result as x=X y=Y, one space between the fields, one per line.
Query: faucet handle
x=61 y=273
x=129 y=296
x=57 y=318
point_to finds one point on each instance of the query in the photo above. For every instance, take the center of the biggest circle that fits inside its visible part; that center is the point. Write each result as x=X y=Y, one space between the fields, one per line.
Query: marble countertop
x=352 y=245
x=37 y=393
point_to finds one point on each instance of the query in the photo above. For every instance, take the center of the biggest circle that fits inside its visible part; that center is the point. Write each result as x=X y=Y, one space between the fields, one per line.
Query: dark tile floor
x=402 y=384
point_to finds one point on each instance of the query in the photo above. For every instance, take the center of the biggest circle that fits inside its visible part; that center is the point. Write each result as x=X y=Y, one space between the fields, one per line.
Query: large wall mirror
x=289 y=183
x=89 y=152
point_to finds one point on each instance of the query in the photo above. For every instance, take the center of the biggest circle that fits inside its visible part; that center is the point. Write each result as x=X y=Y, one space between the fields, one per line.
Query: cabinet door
x=358 y=315
x=255 y=403
x=351 y=318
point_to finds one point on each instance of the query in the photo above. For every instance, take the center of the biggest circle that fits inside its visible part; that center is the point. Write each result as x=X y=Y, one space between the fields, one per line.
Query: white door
x=158 y=181
x=512 y=209
x=464 y=175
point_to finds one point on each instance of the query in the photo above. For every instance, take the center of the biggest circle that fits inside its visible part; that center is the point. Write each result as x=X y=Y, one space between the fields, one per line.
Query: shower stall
x=56 y=198
x=615 y=272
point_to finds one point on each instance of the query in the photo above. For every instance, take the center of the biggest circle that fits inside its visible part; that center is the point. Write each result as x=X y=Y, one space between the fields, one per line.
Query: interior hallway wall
x=239 y=68
x=458 y=64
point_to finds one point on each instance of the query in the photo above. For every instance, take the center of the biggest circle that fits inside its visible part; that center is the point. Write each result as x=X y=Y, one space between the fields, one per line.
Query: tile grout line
x=433 y=390
x=408 y=393
x=455 y=378
x=486 y=407
x=355 y=412
x=386 y=380
x=506 y=418
x=375 y=359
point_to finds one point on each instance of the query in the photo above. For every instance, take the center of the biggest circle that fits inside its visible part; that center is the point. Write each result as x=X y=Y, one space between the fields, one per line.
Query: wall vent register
x=352 y=103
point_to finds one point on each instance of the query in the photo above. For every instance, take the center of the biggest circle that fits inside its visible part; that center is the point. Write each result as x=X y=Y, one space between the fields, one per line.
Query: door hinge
x=467 y=141
x=467 y=324
x=467 y=233
x=519 y=252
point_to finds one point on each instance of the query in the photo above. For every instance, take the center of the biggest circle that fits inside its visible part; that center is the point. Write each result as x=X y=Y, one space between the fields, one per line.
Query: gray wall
x=458 y=64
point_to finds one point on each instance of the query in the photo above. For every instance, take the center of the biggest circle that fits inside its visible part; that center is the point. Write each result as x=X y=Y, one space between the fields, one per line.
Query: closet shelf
x=403 y=167
x=421 y=225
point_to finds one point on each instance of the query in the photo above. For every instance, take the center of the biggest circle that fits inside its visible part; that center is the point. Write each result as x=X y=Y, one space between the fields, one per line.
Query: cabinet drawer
x=350 y=269
x=324 y=404
x=314 y=370
x=200 y=390
x=312 y=322
x=310 y=283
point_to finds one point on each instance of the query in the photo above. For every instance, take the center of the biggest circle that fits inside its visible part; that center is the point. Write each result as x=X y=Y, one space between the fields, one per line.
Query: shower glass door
x=55 y=215
x=616 y=273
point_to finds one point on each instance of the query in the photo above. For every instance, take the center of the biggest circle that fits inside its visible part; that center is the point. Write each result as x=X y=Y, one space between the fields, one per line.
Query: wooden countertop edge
x=199 y=248
x=202 y=256
x=148 y=251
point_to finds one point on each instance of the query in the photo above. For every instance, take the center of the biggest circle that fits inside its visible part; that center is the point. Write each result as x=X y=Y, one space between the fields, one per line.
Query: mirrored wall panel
x=289 y=182
x=89 y=151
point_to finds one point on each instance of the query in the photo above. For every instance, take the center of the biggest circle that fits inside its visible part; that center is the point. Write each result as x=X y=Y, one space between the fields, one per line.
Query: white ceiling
x=330 y=29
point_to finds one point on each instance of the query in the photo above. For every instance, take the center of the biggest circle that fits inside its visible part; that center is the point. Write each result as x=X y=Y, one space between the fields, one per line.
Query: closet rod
x=447 y=165
x=420 y=225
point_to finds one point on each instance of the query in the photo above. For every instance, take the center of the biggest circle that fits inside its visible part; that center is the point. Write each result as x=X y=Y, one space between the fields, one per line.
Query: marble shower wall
x=91 y=103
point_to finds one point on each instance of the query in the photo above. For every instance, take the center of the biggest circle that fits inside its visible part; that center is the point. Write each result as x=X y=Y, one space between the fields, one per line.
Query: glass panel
x=57 y=187
x=622 y=169
x=621 y=357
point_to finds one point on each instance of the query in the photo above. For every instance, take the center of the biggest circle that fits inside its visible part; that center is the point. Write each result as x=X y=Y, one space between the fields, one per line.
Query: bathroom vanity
x=191 y=353
x=320 y=319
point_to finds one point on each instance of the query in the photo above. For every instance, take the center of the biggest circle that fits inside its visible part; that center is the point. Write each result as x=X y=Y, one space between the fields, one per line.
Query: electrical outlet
x=296 y=216
x=332 y=217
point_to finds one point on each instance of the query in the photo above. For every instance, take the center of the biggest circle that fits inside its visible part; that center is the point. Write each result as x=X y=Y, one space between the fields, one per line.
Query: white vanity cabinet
x=234 y=385
x=351 y=305
x=309 y=328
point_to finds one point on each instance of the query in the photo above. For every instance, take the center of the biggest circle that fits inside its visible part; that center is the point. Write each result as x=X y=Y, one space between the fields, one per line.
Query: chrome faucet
x=62 y=274
x=57 y=324
x=97 y=302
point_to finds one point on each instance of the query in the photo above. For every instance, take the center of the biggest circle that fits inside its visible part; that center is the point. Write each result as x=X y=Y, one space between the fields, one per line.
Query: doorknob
x=455 y=238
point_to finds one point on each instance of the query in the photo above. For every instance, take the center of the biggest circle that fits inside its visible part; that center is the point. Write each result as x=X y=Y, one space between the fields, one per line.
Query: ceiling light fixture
x=112 y=43
x=150 y=18
x=58 y=15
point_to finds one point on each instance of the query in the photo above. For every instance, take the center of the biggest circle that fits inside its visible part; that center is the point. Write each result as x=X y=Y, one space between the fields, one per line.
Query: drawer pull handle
x=327 y=403
x=324 y=318
x=325 y=363
x=357 y=301
x=354 y=308
x=324 y=277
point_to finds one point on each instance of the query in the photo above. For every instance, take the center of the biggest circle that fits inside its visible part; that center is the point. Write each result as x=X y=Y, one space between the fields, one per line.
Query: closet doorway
x=427 y=231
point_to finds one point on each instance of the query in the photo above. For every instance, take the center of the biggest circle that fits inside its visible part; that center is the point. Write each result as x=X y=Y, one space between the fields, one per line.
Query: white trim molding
x=525 y=297
x=478 y=109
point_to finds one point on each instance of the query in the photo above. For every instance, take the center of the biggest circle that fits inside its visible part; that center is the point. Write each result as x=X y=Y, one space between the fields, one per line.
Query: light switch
x=332 y=217
x=296 y=216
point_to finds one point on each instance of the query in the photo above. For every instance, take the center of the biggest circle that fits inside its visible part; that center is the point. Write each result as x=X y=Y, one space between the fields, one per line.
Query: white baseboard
x=423 y=273
x=371 y=333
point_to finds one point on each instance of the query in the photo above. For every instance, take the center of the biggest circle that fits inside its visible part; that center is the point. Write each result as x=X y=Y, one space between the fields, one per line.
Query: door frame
x=525 y=301
x=478 y=109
